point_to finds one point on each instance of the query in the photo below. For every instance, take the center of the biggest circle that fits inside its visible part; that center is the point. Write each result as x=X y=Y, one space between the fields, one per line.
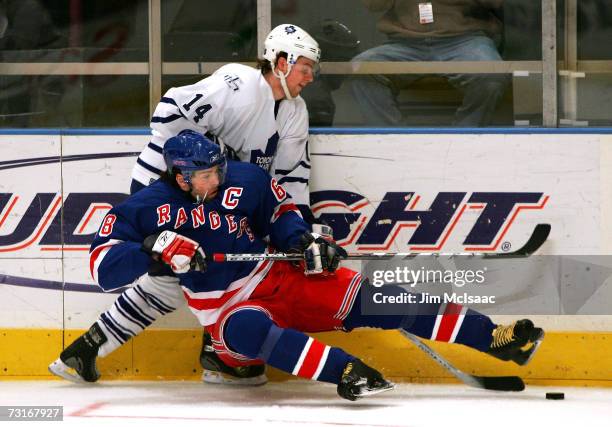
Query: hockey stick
x=509 y=383
x=537 y=239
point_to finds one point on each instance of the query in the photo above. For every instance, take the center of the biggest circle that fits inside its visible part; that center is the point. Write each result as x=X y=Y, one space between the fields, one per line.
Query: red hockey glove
x=179 y=252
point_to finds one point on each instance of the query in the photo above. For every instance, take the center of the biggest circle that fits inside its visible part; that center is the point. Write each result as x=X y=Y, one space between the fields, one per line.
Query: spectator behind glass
x=25 y=25
x=338 y=44
x=436 y=30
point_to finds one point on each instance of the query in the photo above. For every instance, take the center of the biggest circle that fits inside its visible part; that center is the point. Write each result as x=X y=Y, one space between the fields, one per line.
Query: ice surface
x=300 y=403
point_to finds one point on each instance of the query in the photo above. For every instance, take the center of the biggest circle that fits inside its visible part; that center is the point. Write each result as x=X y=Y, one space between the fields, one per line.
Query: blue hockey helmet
x=191 y=151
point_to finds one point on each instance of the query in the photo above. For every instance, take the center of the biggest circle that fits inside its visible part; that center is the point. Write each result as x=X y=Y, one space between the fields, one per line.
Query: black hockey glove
x=179 y=252
x=320 y=254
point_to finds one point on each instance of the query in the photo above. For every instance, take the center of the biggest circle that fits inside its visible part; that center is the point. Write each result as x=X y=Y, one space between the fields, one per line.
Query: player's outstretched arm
x=116 y=257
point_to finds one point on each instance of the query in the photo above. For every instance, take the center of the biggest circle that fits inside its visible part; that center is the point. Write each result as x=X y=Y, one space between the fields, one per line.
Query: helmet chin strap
x=200 y=199
x=283 y=79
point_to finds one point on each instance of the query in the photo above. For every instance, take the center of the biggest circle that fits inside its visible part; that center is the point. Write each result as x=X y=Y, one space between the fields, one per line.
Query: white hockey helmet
x=295 y=42
x=292 y=40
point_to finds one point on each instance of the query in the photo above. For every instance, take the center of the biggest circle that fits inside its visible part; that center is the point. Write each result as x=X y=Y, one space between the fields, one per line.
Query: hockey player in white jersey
x=260 y=118
x=257 y=113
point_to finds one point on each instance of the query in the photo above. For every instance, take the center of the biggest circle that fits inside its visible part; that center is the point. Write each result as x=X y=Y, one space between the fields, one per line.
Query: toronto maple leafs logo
x=290 y=29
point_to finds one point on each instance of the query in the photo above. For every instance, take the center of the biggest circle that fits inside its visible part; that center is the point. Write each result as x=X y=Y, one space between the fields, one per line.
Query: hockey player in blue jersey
x=259 y=116
x=257 y=311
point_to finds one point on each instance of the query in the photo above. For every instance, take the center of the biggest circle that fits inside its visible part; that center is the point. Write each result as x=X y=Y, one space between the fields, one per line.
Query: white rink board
x=570 y=171
x=31 y=177
x=24 y=302
x=564 y=167
x=106 y=170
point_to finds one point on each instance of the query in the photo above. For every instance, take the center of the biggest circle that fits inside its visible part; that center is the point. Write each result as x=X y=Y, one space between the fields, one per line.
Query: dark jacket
x=451 y=17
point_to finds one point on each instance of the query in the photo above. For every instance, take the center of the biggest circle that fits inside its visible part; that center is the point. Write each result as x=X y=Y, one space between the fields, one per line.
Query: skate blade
x=60 y=369
x=215 y=377
x=371 y=392
x=532 y=351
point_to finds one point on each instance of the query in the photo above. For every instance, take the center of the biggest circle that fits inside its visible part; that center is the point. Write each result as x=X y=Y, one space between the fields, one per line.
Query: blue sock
x=439 y=322
x=253 y=334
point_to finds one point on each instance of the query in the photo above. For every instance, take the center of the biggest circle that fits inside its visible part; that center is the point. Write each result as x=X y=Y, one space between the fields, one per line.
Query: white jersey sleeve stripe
x=288 y=171
x=168 y=119
x=148 y=167
x=155 y=148
x=168 y=100
x=153 y=158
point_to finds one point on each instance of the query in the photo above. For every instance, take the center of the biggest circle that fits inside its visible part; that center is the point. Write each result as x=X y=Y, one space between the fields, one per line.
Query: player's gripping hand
x=321 y=254
x=179 y=252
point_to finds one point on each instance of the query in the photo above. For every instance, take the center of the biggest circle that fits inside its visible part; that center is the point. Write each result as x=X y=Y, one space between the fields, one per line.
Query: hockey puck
x=555 y=396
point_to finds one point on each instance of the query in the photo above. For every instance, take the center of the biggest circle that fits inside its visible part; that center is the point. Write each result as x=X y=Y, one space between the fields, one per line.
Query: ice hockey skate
x=217 y=372
x=359 y=380
x=517 y=342
x=77 y=363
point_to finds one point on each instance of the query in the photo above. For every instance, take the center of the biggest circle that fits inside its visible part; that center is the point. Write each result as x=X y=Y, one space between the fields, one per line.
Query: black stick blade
x=536 y=240
x=538 y=237
x=502 y=383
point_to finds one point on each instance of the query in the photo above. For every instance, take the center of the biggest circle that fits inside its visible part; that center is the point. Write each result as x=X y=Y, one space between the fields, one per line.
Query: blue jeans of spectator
x=481 y=92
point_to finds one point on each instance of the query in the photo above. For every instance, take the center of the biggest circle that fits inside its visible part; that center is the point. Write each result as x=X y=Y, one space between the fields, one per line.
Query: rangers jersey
x=249 y=206
x=236 y=105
